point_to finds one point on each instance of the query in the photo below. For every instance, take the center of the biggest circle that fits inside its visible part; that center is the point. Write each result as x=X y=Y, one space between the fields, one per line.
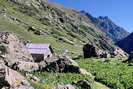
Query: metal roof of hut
x=38 y=48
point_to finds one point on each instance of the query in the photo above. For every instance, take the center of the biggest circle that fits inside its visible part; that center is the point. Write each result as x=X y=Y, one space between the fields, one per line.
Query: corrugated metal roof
x=38 y=48
x=31 y=45
x=38 y=51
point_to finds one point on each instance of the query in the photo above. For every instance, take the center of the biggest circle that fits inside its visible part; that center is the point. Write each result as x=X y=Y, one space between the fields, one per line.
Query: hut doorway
x=38 y=57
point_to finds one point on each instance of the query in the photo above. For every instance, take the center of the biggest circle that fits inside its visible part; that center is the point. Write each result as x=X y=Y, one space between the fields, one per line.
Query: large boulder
x=89 y=51
x=26 y=66
x=12 y=49
x=61 y=64
x=12 y=79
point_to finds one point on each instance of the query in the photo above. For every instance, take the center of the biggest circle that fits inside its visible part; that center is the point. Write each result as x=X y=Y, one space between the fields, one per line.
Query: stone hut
x=40 y=52
x=89 y=51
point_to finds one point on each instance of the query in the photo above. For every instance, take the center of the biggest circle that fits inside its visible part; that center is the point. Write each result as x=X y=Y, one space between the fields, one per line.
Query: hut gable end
x=39 y=51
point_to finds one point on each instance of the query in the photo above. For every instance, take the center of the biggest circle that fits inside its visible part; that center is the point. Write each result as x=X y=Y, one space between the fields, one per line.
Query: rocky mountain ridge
x=113 y=31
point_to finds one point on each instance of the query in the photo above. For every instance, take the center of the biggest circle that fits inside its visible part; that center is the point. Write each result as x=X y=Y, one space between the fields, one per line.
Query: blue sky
x=120 y=11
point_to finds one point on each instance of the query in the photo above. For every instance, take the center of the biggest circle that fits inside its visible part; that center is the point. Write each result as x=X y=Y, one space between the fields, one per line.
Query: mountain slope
x=112 y=30
x=126 y=44
x=39 y=21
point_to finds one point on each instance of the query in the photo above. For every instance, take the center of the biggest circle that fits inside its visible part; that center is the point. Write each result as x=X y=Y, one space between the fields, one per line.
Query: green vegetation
x=51 y=80
x=113 y=73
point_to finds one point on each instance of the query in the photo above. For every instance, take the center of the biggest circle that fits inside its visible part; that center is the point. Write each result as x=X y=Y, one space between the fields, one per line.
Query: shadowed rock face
x=126 y=44
x=89 y=51
x=115 y=32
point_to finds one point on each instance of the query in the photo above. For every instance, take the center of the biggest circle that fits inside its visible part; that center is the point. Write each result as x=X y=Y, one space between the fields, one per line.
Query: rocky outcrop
x=92 y=51
x=119 y=53
x=11 y=79
x=61 y=64
x=12 y=50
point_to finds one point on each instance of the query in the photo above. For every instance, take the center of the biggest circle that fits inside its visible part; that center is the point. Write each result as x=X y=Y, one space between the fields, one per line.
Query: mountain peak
x=112 y=30
x=103 y=17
